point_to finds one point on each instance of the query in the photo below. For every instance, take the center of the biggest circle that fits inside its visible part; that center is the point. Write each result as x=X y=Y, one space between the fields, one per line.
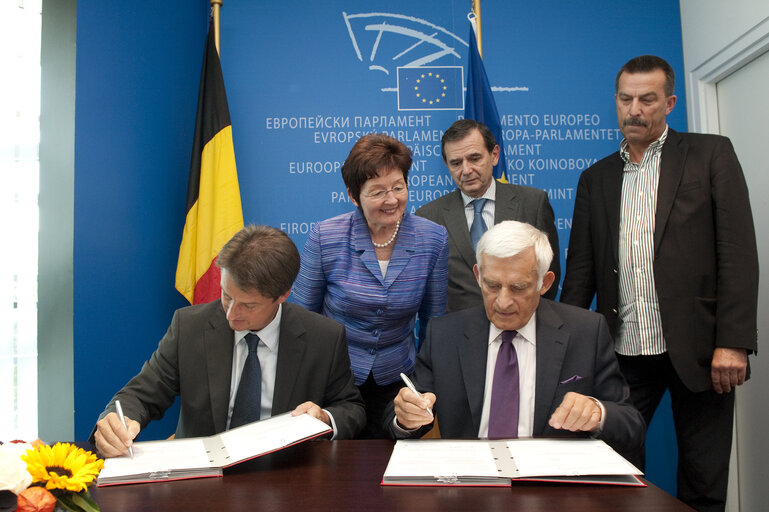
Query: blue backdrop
x=305 y=79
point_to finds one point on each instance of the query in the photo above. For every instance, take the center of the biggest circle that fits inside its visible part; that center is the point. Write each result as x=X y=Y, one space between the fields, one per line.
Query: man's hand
x=313 y=410
x=728 y=369
x=411 y=409
x=112 y=438
x=577 y=413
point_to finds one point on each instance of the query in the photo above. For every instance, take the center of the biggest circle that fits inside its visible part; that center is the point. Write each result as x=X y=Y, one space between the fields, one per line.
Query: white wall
x=715 y=35
x=56 y=410
x=708 y=26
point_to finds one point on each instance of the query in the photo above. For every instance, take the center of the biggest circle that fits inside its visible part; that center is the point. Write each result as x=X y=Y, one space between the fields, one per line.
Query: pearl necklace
x=392 y=238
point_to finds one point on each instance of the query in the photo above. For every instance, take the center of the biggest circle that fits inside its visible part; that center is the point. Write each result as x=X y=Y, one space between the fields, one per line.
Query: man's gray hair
x=510 y=238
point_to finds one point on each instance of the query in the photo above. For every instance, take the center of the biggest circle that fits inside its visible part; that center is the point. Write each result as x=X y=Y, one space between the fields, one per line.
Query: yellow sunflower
x=62 y=466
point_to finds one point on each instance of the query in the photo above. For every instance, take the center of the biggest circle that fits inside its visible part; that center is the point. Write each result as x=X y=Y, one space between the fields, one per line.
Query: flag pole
x=479 y=98
x=477 y=13
x=214 y=211
x=216 y=6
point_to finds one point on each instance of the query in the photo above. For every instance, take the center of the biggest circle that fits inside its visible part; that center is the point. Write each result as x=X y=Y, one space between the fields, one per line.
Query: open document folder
x=206 y=456
x=498 y=463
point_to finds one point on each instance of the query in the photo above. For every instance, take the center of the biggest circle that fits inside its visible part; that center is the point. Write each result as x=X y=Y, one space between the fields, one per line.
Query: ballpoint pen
x=412 y=388
x=122 y=419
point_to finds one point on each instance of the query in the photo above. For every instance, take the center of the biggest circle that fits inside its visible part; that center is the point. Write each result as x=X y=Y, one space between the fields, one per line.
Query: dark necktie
x=478 y=227
x=503 y=413
x=248 y=401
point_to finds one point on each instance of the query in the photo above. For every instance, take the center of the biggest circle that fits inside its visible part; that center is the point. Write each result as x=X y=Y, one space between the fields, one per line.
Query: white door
x=743 y=114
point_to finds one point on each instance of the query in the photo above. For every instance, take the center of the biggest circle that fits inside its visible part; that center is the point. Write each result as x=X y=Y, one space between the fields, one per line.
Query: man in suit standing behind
x=663 y=234
x=470 y=152
x=245 y=357
x=518 y=366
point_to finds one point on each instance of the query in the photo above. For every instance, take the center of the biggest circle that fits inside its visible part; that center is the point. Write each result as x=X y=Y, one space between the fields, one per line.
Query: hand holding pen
x=115 y=433
x=119 y=409
x=412 y=409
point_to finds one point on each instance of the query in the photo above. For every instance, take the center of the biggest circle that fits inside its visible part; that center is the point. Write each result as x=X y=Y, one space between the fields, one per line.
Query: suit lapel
x=552 y=342
x=361 y=242
x=219 y=341
x=456 y=224
x=473 y=349
x=671 y=169
x=291 y=348
x=611 y=182
x=404 y=248
x=505 y=207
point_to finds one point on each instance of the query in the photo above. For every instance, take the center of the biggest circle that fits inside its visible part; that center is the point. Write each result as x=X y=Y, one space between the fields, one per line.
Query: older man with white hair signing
x=521 y=365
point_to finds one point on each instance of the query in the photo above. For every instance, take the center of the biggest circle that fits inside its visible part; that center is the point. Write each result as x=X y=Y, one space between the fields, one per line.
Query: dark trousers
x=703 y=423
x=377 y=398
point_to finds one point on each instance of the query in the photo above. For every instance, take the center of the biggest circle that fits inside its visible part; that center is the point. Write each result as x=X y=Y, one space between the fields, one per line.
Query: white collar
x=491 y=193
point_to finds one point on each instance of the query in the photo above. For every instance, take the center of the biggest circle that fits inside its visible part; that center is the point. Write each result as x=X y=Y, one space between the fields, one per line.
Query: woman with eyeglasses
x=375 y=270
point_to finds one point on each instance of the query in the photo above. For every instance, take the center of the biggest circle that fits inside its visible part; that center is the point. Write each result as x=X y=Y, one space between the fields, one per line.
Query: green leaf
x=64 y=501
x=86 y=502
x=78 y=502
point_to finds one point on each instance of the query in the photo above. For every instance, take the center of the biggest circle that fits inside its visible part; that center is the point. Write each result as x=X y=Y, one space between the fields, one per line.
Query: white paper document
x=567 y=457
x=499 y=463
x=269 y=435
x=161 y=456
x=415 y=459
x=206 y=456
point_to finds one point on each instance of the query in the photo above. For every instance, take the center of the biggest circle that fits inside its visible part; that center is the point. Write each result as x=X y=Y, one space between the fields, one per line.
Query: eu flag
x=430 y=88
x=479 y=102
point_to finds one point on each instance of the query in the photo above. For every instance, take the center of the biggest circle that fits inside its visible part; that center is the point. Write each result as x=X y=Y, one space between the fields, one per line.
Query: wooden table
x=345 y=475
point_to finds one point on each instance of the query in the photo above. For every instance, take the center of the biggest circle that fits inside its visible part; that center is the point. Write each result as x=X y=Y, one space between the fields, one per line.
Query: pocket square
x=571 y=379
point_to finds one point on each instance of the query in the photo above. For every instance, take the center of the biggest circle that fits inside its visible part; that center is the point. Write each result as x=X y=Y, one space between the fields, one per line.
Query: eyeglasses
x=397 y=190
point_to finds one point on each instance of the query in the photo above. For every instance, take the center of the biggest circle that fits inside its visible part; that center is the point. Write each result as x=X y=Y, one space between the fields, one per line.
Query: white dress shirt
x=488 y=209
x=525 y=343
x=267 y=351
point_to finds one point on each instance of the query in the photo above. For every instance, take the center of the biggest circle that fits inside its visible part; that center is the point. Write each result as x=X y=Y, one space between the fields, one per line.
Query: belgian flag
x=214 y=211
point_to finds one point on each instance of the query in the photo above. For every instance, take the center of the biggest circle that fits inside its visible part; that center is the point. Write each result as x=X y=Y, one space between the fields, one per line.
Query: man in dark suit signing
x=519 y=365
x=470 y=152
x=663 y=235
x=244 y=358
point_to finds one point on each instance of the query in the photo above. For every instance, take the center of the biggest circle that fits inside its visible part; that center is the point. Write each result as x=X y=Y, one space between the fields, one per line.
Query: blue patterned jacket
x=341 y=279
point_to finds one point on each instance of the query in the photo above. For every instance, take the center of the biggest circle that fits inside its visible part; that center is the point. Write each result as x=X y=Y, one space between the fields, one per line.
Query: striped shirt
x=340 y=278
x=640 y=326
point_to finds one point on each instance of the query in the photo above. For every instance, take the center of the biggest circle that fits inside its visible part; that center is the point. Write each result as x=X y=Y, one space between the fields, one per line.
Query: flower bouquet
x=46 y=478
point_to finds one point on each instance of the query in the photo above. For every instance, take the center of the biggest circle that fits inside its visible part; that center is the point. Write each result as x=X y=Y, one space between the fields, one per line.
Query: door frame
x=702 y=99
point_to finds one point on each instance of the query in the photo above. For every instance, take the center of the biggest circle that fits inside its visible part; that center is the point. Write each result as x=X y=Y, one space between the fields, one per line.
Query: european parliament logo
x=430 y=88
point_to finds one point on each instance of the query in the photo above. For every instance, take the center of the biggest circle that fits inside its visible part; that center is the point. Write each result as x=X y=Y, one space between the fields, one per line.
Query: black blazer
x=513 y=202
x=705 y=257
x=574 y=353
x=194 y=361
